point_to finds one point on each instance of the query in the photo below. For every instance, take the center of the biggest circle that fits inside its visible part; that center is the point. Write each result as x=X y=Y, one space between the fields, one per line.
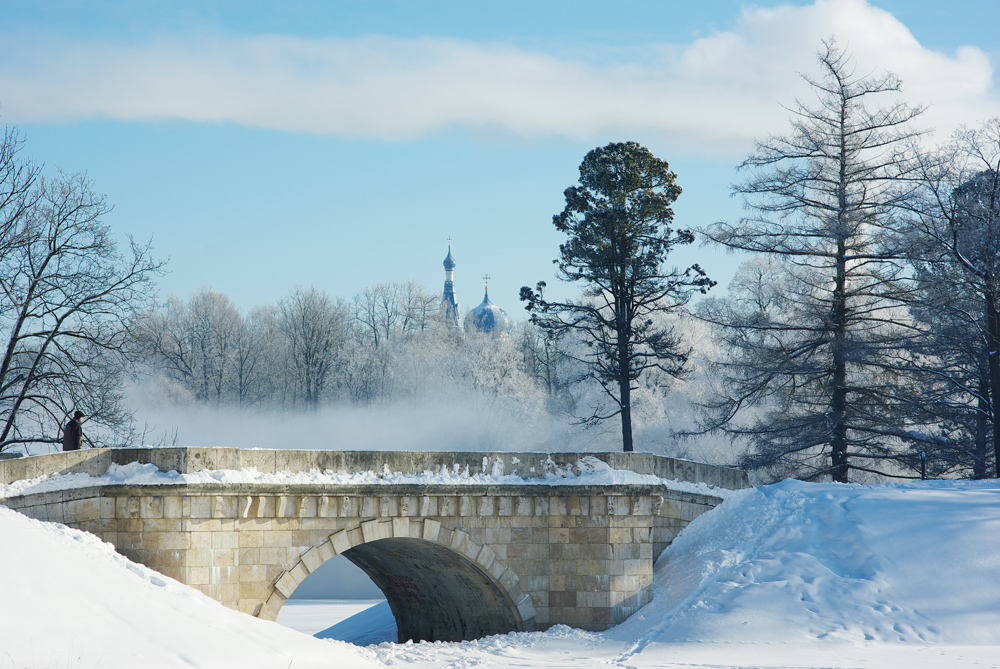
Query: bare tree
x=70 y=299
x=420 y=309
x=380 y=312
x=254 y=378
x=387 y=316
x=316 y=330
x=948 y=400
x=18 y=196
x=548 y=360
x=387 y=311
x=214 y=327
x=954 y=238
x=823 y=201
x=196 y=343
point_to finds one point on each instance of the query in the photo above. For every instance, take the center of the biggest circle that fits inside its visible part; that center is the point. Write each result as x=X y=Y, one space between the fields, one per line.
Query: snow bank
x=586 y=471
x=797 y=563
x=71 y=601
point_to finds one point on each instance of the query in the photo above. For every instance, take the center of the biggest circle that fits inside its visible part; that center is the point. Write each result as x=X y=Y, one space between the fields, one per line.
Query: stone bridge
x=455 y=561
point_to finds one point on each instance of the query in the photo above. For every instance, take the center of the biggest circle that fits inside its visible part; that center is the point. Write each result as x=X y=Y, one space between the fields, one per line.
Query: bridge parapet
x=526 y=465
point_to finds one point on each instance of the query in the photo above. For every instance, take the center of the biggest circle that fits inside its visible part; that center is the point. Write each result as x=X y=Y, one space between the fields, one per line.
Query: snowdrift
x=907 y=563
x=71 y=601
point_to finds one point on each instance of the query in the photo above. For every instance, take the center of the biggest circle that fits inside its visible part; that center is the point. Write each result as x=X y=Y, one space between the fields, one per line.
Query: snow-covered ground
x=790 y=575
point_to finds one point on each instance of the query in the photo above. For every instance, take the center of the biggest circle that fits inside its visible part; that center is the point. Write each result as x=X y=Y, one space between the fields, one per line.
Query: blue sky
x=338 y=144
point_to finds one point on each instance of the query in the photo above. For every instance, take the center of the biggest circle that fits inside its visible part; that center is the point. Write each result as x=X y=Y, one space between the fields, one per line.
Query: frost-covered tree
x=954 y=238
x=387 y=311
x=386 y=317
x=316 y=329
x=948 y=400
x=618 y=237
x=809 y=343
x=546 y=359
x=195 y=343
x=257 y=377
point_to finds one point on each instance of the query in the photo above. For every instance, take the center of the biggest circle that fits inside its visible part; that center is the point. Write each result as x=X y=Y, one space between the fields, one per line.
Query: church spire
x=449 y=305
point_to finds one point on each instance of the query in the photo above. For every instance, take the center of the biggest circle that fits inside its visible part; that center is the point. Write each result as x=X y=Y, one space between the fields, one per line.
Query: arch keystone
x=508 y=578
x=401 y=527
x=299 y=573
x=462 y=543
x=269 y=610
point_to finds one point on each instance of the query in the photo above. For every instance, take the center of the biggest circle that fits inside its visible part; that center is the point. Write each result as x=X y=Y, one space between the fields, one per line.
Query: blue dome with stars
x=487 y=317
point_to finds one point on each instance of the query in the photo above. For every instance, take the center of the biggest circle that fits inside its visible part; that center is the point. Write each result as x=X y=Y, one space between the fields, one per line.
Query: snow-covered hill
x=790 y=575
x=69 y=601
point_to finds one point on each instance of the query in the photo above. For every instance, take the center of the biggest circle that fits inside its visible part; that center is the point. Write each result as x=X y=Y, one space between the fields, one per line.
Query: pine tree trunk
x=624 y=385
x=626 y=420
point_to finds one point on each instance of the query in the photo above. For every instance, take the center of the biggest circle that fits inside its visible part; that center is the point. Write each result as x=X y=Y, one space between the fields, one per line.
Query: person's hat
x=77 y=414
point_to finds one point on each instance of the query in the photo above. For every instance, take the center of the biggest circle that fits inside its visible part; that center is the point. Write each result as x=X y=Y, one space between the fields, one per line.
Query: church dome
x=487 y=317
x=449 y=262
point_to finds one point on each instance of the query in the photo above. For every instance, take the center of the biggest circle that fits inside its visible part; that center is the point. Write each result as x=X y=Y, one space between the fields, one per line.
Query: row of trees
x=863 y=337
x=388 y=342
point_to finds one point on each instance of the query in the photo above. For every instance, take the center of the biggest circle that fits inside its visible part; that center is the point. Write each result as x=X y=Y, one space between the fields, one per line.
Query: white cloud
x=717 y=92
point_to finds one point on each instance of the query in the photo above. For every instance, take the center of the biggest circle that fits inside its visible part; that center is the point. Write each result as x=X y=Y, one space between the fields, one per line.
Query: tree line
x=389 y=341
x=862 y=337
x=858 y=340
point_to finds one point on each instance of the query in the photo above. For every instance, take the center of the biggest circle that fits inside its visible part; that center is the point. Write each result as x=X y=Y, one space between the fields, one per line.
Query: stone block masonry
x=455 y=561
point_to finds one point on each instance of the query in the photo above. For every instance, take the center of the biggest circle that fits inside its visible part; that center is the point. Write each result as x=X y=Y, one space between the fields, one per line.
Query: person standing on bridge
x=73 y=433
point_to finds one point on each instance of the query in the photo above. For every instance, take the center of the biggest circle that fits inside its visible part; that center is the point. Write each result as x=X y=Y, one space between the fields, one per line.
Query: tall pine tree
x=618 y=237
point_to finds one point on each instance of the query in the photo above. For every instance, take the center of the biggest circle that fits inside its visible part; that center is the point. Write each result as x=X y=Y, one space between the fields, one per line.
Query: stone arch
x=441 y=585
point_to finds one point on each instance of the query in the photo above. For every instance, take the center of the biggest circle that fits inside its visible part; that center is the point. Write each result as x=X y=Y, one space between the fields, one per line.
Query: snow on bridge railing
x=219 y=465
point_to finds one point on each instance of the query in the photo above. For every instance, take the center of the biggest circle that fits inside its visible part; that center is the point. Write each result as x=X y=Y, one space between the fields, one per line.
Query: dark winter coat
x=72 y=436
